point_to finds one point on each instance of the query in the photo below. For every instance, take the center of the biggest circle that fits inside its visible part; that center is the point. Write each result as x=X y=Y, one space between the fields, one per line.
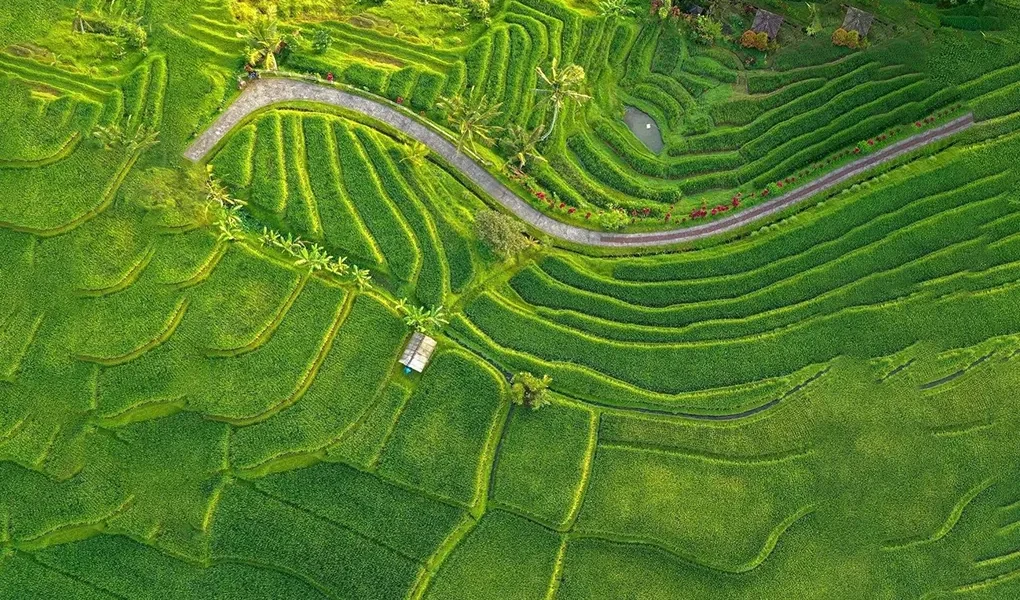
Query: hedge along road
x=265 y=92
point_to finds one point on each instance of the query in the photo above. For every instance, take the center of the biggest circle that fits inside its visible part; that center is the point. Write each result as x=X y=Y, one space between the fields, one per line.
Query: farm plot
x=330 y=180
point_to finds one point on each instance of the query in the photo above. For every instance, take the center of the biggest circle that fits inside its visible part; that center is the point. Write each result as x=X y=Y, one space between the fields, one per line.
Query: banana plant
x=362 y=277
x=338 y=266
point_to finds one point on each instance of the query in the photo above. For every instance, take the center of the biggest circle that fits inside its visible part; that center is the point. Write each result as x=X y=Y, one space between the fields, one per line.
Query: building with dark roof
x=858 y=20
x=768 y=22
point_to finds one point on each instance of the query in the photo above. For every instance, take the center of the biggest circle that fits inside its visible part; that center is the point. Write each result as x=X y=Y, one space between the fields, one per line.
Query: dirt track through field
x=265 y=92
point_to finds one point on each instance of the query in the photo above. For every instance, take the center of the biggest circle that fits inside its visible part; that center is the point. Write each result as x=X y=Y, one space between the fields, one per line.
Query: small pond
x=644 y=127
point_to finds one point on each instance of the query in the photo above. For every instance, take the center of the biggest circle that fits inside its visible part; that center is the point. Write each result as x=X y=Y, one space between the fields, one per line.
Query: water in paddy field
x=644 y=127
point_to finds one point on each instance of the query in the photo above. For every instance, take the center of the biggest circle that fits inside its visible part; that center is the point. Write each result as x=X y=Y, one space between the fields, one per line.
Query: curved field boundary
x=265 y=92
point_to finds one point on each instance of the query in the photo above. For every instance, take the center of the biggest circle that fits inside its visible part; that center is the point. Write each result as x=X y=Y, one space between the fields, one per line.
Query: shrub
x=321 y=41
x=758 y=41
x=847 y=39
x=613 y=219
x=707 y=30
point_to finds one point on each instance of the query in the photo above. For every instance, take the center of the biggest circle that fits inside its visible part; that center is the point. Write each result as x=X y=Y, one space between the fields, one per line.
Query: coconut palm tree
x=561 y=86
x=522 y=144
x=416 y=153
x=471 y=118
x=264 y=41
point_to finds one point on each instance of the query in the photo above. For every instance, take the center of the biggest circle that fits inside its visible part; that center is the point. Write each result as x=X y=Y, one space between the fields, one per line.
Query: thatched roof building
x=858 y=20
x=768 y=22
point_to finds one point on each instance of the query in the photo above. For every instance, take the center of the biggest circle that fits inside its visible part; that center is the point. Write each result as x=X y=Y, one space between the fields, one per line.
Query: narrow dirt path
x=265 y=92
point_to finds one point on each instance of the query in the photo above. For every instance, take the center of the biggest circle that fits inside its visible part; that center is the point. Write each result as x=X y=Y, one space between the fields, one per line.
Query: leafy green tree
x=521 y=144
x=530 y=391
x=471 y=118
x=816 y=20
x=707 y=30
x=560 y=86
x=502 y=234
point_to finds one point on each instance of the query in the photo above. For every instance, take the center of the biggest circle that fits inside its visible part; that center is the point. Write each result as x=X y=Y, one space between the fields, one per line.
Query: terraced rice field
x=818 y=405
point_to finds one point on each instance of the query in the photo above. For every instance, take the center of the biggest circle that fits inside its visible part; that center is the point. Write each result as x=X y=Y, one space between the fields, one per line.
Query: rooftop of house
x=858 y=20
x=768 y=22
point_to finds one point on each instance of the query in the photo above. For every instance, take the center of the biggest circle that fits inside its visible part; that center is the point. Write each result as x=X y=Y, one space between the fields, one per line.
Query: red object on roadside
x=329 y=77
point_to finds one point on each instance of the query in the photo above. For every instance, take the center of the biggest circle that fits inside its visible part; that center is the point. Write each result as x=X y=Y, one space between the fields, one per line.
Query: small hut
x=768 y=22
x=694 y=10
x=418 y=352
x=858 y=20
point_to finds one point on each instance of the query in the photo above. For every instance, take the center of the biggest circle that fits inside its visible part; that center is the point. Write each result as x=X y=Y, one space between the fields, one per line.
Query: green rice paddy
x=819 y=405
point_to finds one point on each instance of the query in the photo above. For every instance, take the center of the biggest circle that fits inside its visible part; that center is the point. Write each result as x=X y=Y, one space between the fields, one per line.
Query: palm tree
x=269 y=237
x=522 y=143
x=264 y=41
x=143 y=139
x=562 y=86
x=79 y=24
x=216 y=192
x=417 y=153
x=471 y=118
x=416 y=317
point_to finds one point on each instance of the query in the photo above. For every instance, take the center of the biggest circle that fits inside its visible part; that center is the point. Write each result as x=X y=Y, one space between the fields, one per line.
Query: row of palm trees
x=472 y=117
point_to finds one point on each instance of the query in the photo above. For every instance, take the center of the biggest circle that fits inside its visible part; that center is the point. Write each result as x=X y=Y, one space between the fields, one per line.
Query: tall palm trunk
x=552 y=125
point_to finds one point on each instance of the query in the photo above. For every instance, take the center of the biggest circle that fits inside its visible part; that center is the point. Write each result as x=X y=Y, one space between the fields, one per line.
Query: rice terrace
x=509 y=299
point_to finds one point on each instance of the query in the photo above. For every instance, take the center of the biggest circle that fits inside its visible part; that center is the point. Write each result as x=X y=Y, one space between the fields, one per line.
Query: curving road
x=265 y=92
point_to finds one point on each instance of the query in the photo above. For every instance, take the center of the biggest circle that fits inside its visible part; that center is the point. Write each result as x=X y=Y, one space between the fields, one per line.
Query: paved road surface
x=264 y=92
